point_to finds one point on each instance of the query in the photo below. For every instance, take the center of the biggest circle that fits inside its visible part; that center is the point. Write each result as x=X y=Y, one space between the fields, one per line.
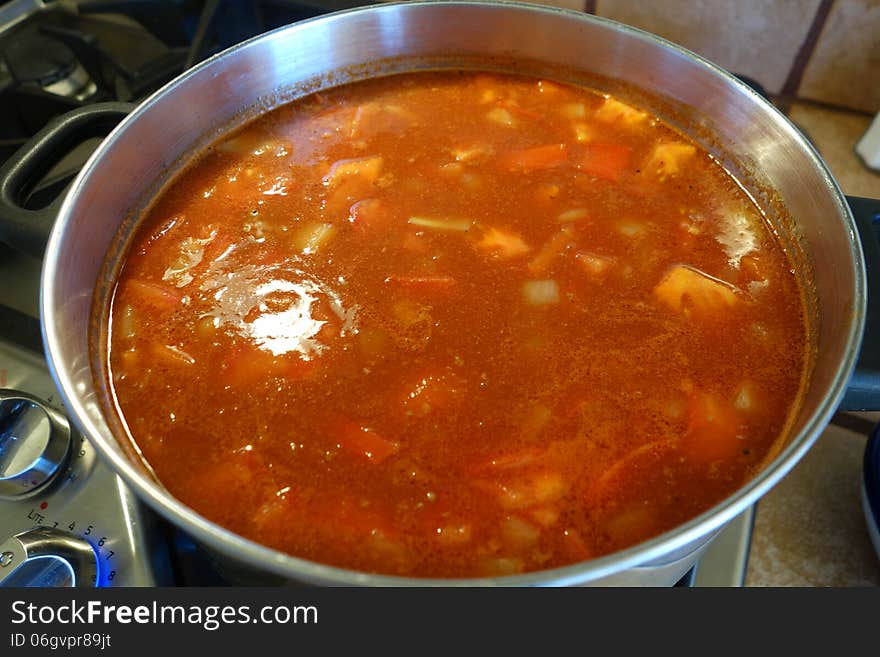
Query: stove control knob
x=44 y=557
x=34 y=444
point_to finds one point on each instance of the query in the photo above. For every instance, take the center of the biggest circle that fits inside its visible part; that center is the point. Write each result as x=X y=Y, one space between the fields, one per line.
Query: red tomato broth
x=535 y=327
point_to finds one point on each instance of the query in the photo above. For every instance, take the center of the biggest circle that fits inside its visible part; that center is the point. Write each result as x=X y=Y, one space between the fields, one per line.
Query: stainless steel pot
x=177 y=120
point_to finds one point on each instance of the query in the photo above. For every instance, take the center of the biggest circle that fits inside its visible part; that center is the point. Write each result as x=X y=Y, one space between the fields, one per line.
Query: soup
x=455 y=324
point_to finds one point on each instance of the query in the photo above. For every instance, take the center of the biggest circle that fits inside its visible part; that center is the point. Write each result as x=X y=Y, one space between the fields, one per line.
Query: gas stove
x=65 y=517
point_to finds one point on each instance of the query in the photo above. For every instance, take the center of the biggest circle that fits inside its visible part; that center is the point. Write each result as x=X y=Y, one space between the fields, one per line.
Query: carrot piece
x=423 y=285
x=248 y=365
x=704 y=294
x=606 y=161
x=539 y=157
x=713 y=429
x=154 y=295
x=363 y=442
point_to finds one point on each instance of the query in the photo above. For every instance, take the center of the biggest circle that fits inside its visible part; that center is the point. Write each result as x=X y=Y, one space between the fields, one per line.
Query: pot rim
x=649 y=553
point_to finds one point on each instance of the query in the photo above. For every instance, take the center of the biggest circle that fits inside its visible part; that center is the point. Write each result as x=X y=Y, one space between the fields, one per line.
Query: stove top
x=54 y=57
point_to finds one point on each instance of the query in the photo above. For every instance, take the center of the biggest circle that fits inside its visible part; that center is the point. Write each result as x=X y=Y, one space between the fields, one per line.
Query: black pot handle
x=863 y=390
x=28 y=230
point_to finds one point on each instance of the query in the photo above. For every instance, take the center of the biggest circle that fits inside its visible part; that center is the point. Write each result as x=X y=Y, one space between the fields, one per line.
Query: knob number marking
x=39 y=519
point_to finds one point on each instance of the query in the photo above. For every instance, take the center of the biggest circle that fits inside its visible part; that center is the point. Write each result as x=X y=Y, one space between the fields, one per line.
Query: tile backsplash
x=845 y=67
x=756 y=38
x=818 y=50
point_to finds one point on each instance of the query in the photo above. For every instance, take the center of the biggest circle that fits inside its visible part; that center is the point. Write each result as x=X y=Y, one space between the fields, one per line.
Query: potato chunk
x=367 y=168
x=668 y=158
x=613 y=110
x=685 y=288
x=502 y=244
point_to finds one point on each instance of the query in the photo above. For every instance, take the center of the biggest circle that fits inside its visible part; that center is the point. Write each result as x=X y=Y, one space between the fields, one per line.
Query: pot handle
x=28 y=230
x=863 y=390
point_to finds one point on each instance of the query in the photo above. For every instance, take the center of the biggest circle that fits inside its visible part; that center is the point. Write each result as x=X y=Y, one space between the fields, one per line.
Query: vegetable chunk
x=713 y=429
x=364 y=442
x=502 y=244
x=540 y=157
x=366 y=168
x=606 y=161
x=669 y=157
x=686 y=289
x=614 y=110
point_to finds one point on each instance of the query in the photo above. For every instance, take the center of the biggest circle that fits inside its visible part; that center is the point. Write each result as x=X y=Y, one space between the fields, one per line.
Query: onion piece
x=630 y=228
x=613 y=110
x=453 y=225
x=541 y=292
x=126 y=323
x=575 y=214
x=745 y=397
